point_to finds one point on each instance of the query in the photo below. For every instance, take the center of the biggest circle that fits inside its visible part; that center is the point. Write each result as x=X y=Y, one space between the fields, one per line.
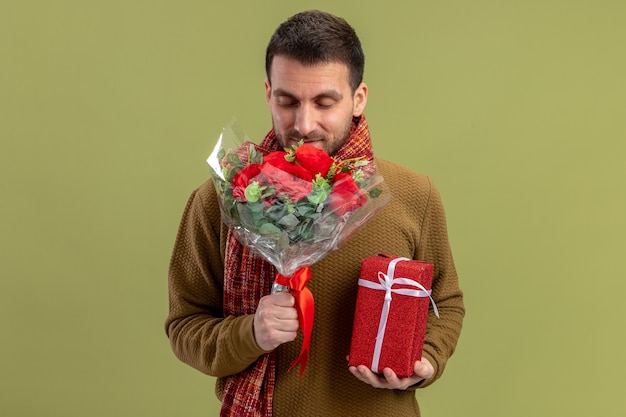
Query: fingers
x=283 y=299
x=387 y=380
x=275 y=321
x=364 y=374
x=392 y=379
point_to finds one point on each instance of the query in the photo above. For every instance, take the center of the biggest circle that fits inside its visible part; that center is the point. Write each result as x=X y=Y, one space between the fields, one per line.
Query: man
x=222 y=319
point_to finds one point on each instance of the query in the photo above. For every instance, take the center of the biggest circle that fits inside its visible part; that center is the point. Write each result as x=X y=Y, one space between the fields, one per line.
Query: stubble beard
x=293 y=134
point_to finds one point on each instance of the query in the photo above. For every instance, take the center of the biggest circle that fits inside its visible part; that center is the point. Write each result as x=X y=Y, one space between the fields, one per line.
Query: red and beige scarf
x=248 y=277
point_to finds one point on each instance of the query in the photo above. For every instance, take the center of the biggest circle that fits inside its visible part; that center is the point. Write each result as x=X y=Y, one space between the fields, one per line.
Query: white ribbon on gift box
x=386 y=284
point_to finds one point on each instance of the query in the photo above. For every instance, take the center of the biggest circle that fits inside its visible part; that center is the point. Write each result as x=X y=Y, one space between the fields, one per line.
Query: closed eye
x=286 y=101
x=326 y=102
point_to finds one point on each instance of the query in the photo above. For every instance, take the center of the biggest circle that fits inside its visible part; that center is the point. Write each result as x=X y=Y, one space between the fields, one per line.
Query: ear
x=268 y=90
x=360 y=100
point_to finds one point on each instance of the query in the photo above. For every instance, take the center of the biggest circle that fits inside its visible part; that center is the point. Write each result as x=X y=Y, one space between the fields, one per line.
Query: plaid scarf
x=248 y=277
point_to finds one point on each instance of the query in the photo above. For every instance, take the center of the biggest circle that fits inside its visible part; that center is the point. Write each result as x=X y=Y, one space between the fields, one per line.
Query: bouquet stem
x=276 y=288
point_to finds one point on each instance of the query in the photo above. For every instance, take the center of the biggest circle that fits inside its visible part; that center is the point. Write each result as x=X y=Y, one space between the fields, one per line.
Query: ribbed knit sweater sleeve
x=418 y=207
x=442 y=333
x=199 y=334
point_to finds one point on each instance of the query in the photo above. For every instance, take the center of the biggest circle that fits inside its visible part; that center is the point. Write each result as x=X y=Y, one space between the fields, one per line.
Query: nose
x=305 y=120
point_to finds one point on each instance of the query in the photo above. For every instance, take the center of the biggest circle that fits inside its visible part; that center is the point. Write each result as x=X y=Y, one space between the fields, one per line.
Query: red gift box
x=391 y=314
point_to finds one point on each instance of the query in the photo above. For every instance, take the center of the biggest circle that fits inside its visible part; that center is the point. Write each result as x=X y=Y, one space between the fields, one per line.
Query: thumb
x=424 y=369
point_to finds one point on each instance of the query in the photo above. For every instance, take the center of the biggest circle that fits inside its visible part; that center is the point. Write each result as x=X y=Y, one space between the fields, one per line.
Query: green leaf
x=277 y=211
x=289 y=221
x=269 y=229
x=229 y=174
x=376 y=192
x=255 y=192
x=233 y=159
x=332 y=171
x=307 y=230
x=255 y=207
x=305 y=210
x=254 y=157
x=319 y=194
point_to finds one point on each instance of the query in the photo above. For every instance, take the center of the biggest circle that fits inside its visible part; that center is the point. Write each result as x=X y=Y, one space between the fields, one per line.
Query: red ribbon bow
x=305 y=308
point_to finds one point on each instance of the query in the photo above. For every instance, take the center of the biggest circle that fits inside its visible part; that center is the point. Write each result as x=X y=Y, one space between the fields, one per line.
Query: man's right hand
x=275 y=321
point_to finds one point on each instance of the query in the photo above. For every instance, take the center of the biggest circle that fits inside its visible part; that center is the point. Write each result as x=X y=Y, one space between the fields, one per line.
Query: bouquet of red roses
x=293 y=207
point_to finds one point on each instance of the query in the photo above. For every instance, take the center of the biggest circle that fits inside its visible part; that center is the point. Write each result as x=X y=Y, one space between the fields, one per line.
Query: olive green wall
x=109 y=108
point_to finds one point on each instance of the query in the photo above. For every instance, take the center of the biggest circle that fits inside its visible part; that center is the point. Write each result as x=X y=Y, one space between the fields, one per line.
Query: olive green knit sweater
x=412 y=225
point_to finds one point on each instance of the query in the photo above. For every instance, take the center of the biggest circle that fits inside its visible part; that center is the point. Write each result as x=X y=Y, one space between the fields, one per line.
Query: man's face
x=312 y=103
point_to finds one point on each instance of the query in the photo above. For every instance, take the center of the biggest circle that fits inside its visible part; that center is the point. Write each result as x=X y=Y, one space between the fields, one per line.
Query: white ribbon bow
x=386 y=283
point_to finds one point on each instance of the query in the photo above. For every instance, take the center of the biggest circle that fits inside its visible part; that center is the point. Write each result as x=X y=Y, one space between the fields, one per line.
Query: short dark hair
x=314 y=37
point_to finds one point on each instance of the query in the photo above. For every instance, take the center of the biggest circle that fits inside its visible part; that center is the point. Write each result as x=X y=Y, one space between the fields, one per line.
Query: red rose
x=315 y=160
x=243 y=178
x=345 y=195
x=277 y=159
x=285 y=183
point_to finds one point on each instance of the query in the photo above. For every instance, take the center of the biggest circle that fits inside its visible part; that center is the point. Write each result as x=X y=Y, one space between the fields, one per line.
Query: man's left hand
x=421 y=370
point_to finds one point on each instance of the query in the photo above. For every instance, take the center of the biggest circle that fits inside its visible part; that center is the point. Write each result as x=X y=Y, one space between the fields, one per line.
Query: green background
x=108 y=110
